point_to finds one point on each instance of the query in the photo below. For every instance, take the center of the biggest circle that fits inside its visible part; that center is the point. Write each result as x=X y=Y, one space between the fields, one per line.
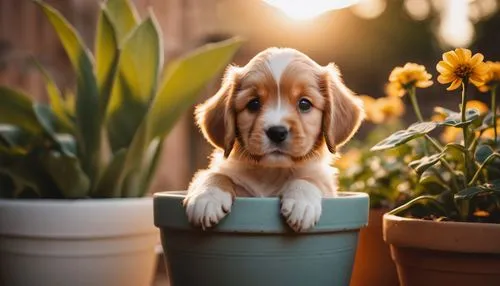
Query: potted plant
x=387 y=181
x=253 y=245
x=74 y=174
x=450 y=234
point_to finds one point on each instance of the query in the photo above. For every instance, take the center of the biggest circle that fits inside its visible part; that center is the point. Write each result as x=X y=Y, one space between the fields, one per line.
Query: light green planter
x=253 y=245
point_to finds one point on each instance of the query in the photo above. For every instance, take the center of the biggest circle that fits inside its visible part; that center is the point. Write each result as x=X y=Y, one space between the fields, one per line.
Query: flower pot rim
x=347 y=212
x=340 y=195
x=82 y=201
x=76 y=219
x=465 y=237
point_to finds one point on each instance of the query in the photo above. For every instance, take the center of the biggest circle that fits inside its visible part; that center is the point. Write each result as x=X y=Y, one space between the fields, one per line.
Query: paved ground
x=161 y=275
x=161 y=280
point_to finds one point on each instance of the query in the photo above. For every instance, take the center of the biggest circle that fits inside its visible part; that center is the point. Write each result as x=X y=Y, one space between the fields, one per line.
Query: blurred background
x=365 y=38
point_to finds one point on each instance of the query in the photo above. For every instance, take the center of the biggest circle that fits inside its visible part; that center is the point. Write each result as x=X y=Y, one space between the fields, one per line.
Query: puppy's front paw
x=208 y=207
x=301 y=205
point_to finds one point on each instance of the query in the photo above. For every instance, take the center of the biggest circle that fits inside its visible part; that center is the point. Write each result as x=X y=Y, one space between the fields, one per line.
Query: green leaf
x=46 y=118
x=443 y=111
x=400 y=137
x=56 y=101
x=67 y=174
x=450 y=147
x=483 y=152
x=48 y=121
x=422 y=207
x=69 y=104
x=455 y=119
x=184 y=79
x=87 y=101
x=493 y=185
x=107 y=185
x=28 y=176
x=106 y=52
x=123 y=15
x=484 y=197
x=151 y=162
x=471 y=192
x=16 y=109
x=487 y=122
x=67 y=144
x=464 y=197
x=425 y=162
x=135 y=83
x=431 y=183
x=133 y=170
x=12 y=136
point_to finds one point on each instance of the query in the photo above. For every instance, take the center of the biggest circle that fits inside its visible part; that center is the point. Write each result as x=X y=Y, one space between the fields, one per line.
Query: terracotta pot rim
x=463 y=237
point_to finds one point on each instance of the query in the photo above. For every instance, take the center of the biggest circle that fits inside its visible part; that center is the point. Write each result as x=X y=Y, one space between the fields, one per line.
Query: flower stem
x=494 y=109
x=483 y=165
x=463 y=110
x=414 y=102
x=444 y=162
x=416 y=107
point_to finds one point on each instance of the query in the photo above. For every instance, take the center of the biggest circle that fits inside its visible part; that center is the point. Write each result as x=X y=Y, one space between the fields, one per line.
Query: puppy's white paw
x=206 y=208
x=301 y=205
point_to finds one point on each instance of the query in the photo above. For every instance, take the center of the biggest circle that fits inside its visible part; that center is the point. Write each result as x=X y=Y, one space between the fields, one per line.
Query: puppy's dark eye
x=253 y=105
x=304 y=105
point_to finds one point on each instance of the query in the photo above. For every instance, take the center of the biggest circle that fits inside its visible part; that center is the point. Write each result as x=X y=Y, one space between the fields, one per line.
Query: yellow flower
x=348 y=159
x=391 y=107
x=451 y=134
x=411 y=74
x=373 y=114
x=382 y=109
x=490 y=133
x=458 y=65
x=478 y=105
x=438 y=117
x=492 y=76
x=394 y=89
x=481 y=213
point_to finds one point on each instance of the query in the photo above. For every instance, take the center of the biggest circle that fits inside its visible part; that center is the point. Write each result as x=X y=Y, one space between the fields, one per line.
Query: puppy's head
x=280 y=109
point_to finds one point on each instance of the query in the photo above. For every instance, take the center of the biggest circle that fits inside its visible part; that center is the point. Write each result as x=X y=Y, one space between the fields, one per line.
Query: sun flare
x=304 y=10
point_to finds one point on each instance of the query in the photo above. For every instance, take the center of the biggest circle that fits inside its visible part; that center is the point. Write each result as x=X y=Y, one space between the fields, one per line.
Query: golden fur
x=247 y=163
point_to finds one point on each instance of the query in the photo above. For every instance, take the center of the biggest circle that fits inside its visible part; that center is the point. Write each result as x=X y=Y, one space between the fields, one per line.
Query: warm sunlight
x=303 y=10
x=456 y=29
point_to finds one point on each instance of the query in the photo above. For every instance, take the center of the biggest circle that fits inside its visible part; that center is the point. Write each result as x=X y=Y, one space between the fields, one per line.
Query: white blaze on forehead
x=278 y=63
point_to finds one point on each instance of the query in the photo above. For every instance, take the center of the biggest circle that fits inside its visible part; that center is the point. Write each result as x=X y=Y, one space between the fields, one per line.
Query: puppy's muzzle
x=277 y=134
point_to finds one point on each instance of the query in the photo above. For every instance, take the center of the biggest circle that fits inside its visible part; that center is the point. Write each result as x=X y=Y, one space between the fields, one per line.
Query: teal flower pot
x=253 y=246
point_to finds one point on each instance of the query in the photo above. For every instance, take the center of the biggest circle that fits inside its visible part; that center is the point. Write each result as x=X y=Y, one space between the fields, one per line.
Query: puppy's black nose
x=277 y=134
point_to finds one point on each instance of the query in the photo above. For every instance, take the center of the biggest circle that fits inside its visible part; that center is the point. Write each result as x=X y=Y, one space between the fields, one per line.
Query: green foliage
x=387 y=179
x=106 y=142
x=459 y=182
x=402 y=136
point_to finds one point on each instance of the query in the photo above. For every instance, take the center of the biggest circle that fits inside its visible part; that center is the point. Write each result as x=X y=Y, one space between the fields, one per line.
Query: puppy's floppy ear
x=216 y=116
x=343 y=111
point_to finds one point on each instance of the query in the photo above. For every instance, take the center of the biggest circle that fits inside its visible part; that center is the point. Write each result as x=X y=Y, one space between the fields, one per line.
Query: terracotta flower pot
x=429 y=253
x=373 y=264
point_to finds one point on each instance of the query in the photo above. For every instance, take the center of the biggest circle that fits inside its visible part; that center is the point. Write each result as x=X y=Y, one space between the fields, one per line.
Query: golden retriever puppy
x=276 y=124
